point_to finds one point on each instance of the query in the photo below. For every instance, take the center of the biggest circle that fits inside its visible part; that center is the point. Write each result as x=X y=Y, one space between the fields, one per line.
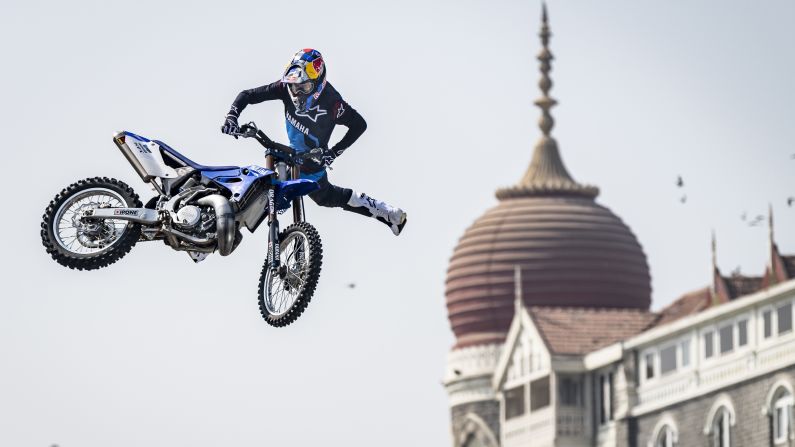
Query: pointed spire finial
x=545 y=57
x=770 y=223
x=714 y=252
x=546 y=175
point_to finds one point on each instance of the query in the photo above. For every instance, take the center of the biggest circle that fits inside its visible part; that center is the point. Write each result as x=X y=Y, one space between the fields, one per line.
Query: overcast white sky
x=157 y=351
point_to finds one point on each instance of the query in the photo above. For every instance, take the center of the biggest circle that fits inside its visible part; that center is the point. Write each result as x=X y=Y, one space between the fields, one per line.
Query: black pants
x=333 y=196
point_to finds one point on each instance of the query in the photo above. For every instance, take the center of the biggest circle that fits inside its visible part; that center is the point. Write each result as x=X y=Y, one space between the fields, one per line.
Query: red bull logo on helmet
x=315 y=68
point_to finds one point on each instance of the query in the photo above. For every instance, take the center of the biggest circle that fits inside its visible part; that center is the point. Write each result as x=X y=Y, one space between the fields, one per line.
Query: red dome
x=572 y=252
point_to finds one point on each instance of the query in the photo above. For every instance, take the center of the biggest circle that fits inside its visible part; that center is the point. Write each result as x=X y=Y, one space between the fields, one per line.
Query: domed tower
x=572 y=252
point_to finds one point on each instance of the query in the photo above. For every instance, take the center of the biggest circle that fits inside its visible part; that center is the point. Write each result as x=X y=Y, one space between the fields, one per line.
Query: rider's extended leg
x=334 y=196
x=394 y=218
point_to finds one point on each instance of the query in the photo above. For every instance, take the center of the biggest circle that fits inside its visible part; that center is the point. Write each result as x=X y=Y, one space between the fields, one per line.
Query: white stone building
x=548 y=295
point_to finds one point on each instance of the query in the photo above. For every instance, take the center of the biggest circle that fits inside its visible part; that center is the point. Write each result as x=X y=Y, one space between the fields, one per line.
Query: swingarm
x=138 y=215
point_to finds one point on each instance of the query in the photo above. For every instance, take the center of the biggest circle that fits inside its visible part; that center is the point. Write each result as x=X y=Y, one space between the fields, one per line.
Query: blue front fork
x=273 y=230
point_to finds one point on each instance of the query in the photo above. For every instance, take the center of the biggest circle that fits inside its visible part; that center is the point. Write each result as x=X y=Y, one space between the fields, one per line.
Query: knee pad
x=323 y=197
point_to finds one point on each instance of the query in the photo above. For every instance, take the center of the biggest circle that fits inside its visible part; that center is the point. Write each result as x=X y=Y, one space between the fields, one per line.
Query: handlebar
x=277 y=150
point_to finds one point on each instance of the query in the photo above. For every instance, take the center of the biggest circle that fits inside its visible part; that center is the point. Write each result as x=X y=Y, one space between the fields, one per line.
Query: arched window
x=666 y=437
x=665 y=433
x=782 y=418
x=476 y=433
x=780 y=409
x=720 y=420
x=721 y=429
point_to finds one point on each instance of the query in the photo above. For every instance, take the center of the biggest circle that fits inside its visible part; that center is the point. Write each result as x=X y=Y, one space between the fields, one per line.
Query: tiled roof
x=689 y=304
x=740 y=285
x=578 y=330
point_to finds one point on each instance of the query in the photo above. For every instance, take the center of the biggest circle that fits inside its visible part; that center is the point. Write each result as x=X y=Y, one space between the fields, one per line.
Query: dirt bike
x=199 y=210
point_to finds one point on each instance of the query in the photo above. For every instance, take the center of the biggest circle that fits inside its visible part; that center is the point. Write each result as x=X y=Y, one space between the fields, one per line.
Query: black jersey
x=312 y=127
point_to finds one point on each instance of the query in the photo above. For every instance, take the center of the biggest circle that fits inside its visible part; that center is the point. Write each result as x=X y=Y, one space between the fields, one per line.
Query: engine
x=200 y=217
x=188 y=216
x=195 y=220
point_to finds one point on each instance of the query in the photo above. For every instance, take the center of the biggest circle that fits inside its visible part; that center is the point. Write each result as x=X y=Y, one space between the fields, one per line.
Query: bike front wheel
x=285 y=292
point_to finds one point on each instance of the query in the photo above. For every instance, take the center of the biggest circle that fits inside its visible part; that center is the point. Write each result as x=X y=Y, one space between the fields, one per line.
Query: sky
x=158 y=351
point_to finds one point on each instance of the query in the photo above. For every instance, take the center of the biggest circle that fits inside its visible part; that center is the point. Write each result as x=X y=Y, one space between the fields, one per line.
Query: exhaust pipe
x=224 y=222
x=120 y=140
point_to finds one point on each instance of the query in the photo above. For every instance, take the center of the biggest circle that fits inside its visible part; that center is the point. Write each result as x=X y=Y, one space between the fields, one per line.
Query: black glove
x=323 y=157
x=230 y=125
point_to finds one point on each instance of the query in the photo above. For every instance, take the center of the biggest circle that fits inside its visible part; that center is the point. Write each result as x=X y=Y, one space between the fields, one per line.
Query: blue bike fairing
x=239 y=183
x=235 y=181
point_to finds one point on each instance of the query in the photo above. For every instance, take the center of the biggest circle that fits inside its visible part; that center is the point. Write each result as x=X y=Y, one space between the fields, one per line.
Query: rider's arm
x=276 y=90
x=350 y=118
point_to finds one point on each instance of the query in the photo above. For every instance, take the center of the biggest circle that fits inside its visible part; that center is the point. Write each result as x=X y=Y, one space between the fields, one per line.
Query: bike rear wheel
x=285 y=293
x=86 y=244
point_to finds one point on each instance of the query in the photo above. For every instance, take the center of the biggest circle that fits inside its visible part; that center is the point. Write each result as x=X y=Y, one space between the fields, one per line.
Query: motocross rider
x=312 y=107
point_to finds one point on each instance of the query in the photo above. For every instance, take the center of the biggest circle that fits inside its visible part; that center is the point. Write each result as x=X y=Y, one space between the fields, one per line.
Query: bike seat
x=177 y=157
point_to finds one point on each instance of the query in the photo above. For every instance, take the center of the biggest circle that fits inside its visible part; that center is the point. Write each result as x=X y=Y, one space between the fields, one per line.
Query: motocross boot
x=394 y=218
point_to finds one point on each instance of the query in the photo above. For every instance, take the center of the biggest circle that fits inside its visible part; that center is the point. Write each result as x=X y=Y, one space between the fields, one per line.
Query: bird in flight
x=352 y=285
x=757 y=220
x=679 y=182
x=790 y=201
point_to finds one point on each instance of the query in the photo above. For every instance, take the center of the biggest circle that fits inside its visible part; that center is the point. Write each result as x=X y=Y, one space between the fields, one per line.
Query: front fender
x=288 y=190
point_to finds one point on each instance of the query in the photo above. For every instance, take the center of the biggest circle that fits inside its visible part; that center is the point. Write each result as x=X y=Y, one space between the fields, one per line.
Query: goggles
x=303 y=88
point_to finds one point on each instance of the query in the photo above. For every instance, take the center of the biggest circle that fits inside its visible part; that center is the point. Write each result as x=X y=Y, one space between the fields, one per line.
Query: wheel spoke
x=88 y=238
x=298 y=278
x=283 y=292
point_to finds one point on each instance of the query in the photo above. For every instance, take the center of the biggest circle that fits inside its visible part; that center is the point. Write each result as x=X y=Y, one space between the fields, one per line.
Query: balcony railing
x=571 y=421
x=716 y=373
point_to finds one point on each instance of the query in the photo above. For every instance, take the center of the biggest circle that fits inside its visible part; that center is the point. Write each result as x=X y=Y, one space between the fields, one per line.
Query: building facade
x=548 y=296
x=722 y=376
